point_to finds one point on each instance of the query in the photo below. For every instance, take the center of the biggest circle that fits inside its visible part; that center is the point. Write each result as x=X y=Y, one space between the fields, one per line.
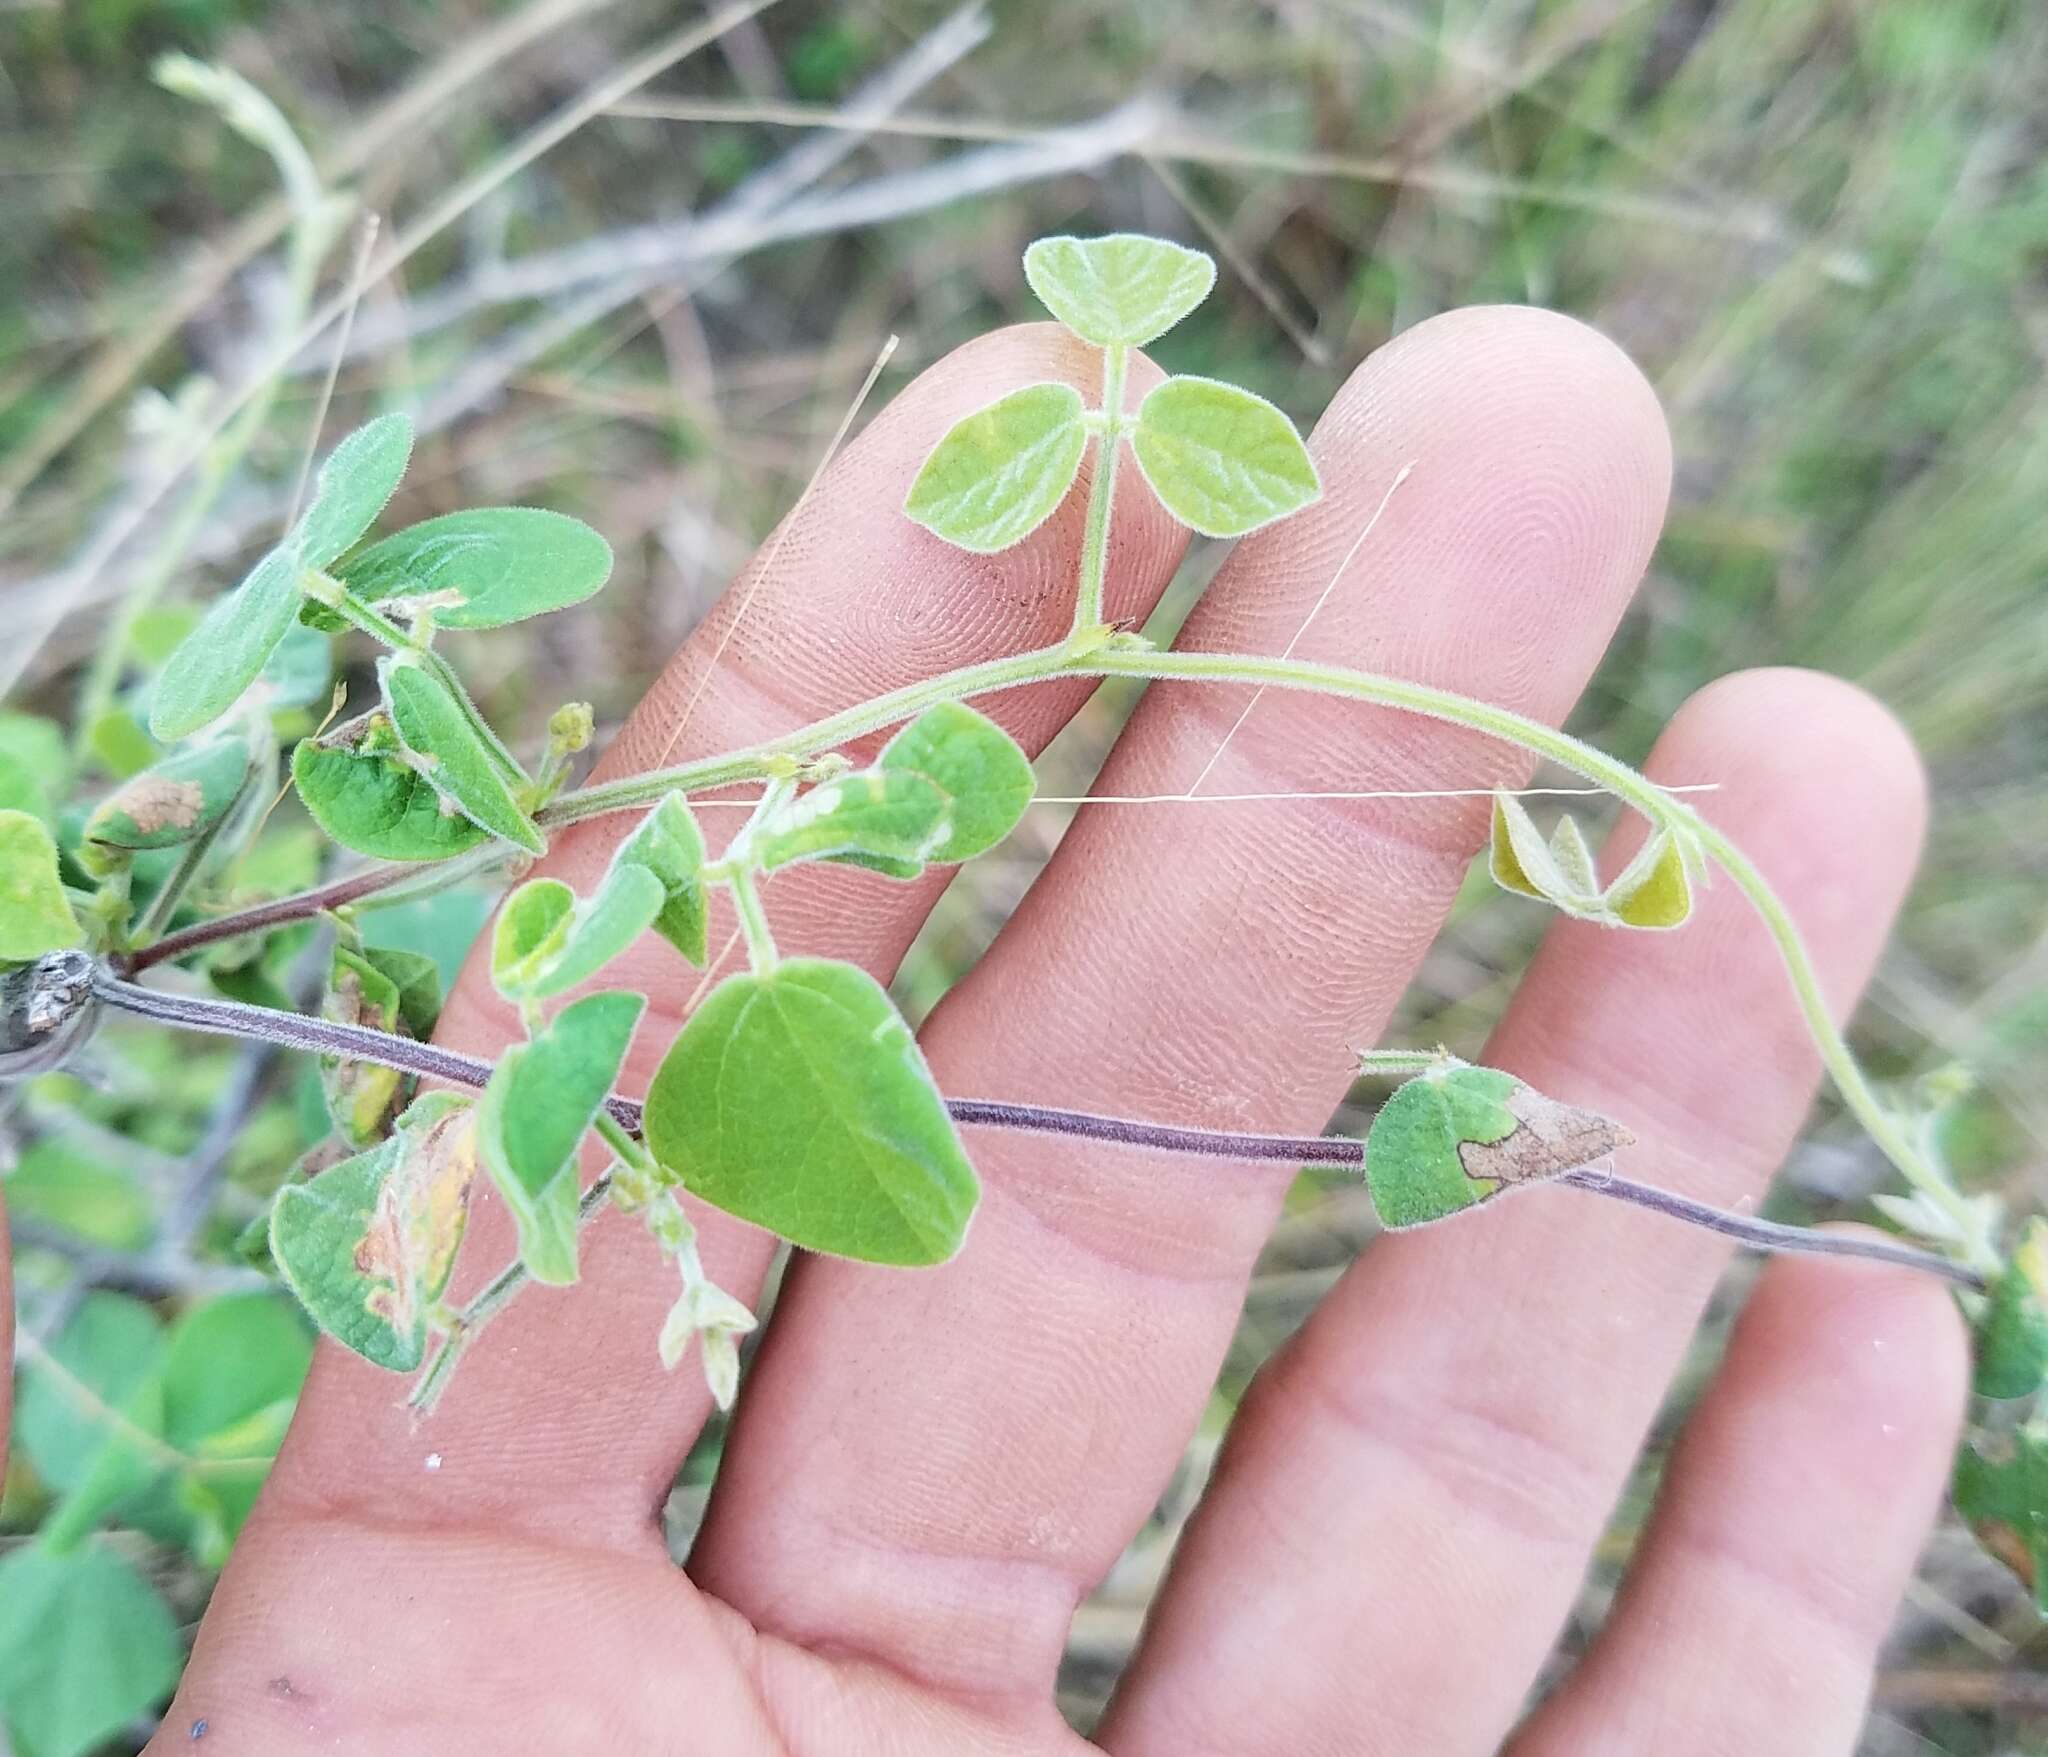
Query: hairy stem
x=491 y=1299
x=413 y=877
x=232 y=1018
x=1102 y=492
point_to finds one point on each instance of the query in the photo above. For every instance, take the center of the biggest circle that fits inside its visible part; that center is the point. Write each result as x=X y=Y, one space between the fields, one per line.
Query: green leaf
x=231 y=1361
x=417 y=979
x=999 y=473
x=120 y=745
x=360 y=789
x=1456 y=1136
x=226 y=653
x=798 y=1100
x=2011 y=1333
x=1221 y=459
x=300 y=673
x=541 y=1098
x=79 y=1412
x=35 y=916
x=669 y=844
x=1124 y=287
x=358 y=478
x=531 y=928
x=86 y=1646
x=485 y=567
x=887 y=814
x=987 y=780
x=2002 y=1496
x=446 y=747
x=319 y=1233
x=177 y=800
x=61 y=1184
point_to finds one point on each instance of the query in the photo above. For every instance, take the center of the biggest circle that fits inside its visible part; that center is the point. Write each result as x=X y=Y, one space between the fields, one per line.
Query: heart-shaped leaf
x=86 y=1646
x=445 y=746
x=485 y=567
x=541 y=1098
x=1456 y=1136
x=1221 y=459
x=226 y=653
x=669 y=844
x=1124 y=287
x=354 y=485
x=999 y=473
x=798 y=1100
x=319 y=1239
x=360 y=789
x=35 y=915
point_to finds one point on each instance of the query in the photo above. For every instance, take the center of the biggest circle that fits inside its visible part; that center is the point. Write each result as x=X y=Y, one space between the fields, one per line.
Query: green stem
x=493 y=1298
x=762 y=956
x=1101 y=493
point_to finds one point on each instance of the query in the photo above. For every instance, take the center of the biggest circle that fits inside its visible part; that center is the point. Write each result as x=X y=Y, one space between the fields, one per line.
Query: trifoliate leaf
x=1221 y=459
x=998 y=474
x=1124 y=287
x=35 y=915
x=798 y=1100
x=485 y=567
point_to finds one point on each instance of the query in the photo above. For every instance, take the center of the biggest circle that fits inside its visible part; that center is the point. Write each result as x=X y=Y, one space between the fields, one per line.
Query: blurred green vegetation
x=1820 y=225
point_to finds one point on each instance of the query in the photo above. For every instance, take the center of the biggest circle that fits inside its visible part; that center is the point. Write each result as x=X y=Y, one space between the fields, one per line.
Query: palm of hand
x=929 y=1470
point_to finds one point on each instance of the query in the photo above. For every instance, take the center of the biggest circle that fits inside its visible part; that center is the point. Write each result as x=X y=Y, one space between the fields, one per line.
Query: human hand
x=930 y=1468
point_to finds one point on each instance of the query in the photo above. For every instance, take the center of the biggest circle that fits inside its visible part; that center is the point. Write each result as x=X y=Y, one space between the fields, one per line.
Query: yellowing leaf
x=1654 y=891
x=35 y=916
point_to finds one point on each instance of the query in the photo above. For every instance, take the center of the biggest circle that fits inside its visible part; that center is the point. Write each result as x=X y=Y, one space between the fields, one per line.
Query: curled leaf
x=444 y=744
x=175 y=801
x=669 y=845
x=542 y=1097
x=987 y=780
x=893 y=815
x=1457 y=1136
x=2001 y=1490
x=1653 y=891
x=547 y=941
x=361 y=1096
x=360 y=788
